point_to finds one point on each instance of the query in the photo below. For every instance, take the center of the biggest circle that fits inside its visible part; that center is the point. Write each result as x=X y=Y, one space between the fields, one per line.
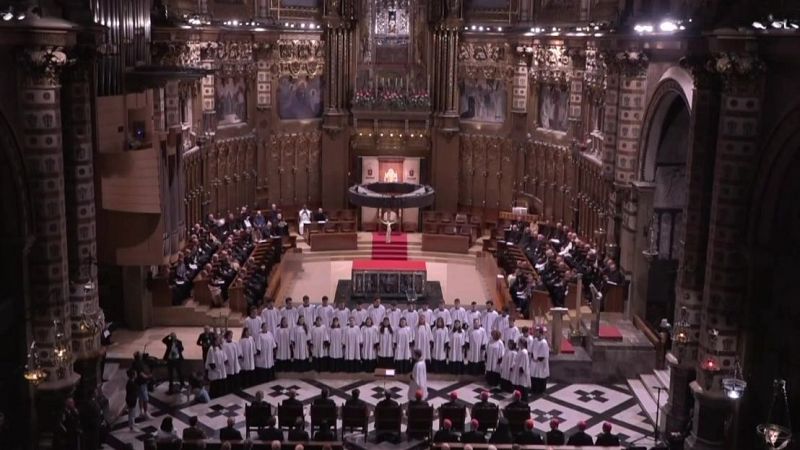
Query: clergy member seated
x=474 y=435
x=298 y=432
x=193 y=433
x=325 y=433
x=271 y=432
x=384 y=405
x=292 y=400
x=418 y=402
x=483 y=404
x=320 y=216
x=303 y=218
x=324 y=399
x=229 y=433
x=554 y=436
x=445 y=433
x=502 y=435
x=528 y=436
x=606 y=439
x=580 y=437
x=517 y=405
x=354 y=399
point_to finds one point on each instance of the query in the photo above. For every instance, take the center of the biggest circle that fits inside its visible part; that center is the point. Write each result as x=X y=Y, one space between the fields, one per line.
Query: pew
x=255 y=444
x=448 y=243
x=334 y=241
x=355 y=418
x=459 y=446
x=323 y=414
x=420 y=422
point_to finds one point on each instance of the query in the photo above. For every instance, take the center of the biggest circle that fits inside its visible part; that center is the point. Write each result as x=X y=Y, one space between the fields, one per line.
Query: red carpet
x=567 y=347
x=397 y=250
x=610 y=332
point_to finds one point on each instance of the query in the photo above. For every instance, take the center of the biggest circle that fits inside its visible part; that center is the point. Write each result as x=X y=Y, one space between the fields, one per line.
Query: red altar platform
x=389 y=264
x=389 y=278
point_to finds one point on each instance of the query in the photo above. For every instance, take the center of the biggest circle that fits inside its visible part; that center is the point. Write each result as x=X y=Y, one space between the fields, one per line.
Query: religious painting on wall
x=299 y=97
x=231 y=100
x=553 y=107
x=483 y=100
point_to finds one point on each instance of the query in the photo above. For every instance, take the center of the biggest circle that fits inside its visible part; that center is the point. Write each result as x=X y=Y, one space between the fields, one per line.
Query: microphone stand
x=656 y=437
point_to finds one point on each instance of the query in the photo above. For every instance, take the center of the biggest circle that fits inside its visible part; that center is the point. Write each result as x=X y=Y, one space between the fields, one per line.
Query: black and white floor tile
x=571 y=404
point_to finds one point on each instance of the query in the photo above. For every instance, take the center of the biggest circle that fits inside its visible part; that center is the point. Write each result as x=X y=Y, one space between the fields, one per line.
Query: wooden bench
x=459 y=446
x=334 y=241
x=255 y=444
x=454 y=243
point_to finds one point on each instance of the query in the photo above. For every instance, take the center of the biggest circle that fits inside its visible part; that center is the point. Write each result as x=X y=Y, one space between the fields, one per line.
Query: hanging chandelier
x=735 y=385
x=680 y=333
x=60 y=349
x=34 y=374
x=775 y=435
x=651 y=252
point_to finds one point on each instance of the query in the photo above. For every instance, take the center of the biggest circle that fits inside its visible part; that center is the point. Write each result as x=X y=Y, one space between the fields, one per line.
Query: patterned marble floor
x=571 y=404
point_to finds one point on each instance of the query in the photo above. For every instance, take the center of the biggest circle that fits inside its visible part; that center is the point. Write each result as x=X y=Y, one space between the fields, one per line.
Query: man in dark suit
x=270 y=433
x=483 y=404
x=205 y=341
x=474 y=435
x=193 y=433
x=554 y=436
x=324 y=399
x=298 y=433
x=518 y=404
x=324 y=433
x=580 y=437
x=173 y=355
x=230 y=433
x=606 y=439
x=445 y=433
x=417 y=402
x=354 y=400
x=528 y=436
x=386 y=404
x=292 y=401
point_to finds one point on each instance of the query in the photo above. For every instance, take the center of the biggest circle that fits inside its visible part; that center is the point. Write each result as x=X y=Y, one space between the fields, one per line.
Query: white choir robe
x=488 y=321
x=369 y=339
x=541 y=369
x=300 y=339
x=402 y=340
x=530 y=340
x=326 y=312
x=216 y=356
x=284 y=340
x=511 y=334
x=309 y=314
x=477 y=339
x=428 y=313
x=460 y=314
x=521 y=369
x=412 y=320
x=272 y=318
x=336 y=336
x=343 y=315
x=386 y=343
x=303 y=218
x=422 y=340
x=444 y=315
x=319 y=336
x=394 y=318
x=501 y=323
x=232 y=353
x=376 y=314
x=248 y=349
x=265 y=350
x=360 y=315
x=494 y=354
x=290 y=314
x=253 y=325
x=474 y=315
x=441 y=338
x=419 y=381
x=507 y=364
x=352 y=343
x=457 y=342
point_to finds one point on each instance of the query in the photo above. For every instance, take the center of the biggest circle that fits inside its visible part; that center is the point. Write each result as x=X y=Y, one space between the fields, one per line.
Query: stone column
x=725 y=283
x=576 y=79
x=41 y=141
x=85 y=314
x=632 y=85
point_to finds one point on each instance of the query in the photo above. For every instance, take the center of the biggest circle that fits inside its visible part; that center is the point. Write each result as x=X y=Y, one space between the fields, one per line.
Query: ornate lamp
x=34 y=373
x=775 y=435
x=60 y=349
x=710 y=364
x=680 y=333
x=651 y=252
x=734 y=385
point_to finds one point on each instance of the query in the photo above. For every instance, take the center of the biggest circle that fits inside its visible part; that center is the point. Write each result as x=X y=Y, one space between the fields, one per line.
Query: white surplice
x=216 y=357
x=300 y=338
x=459 y=314
x=376 y=314
x=402 y=339
x=284 y=340
x=248 y=349
x=457 y=342
x=394 y=317
x=477 y=339
x=494 y=354
x=541 y=349
x=265 y=350
x=386 y=343
x=290 y=314
x=521 y=369
x=352 y=343
x=343 y=315
x=369 y=339
x=360 y=315
x=253 y=325
x=441 y=339
x=419 y=380
x=423 y=339
x=511 y=334
x=319 y=336
x=507 y=364
x=272 y=318
x=444 y=315
x=232 y=353
x=326 y=312
x=488 y=320
x=309 y=313
x=336 y=336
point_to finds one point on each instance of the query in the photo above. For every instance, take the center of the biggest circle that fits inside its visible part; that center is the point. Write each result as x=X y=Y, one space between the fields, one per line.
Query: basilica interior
x=325 y=145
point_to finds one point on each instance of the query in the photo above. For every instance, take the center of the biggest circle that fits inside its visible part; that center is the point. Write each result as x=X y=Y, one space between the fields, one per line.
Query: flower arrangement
x=419 y=100
x=363 y=98
x=392 y=99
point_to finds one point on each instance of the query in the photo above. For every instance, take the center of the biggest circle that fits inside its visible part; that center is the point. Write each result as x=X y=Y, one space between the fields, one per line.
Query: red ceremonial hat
x=418 y=394
x=485 y=395
x=517 y=395
x=607 y=427
x=582 y=425
x=474 y=424
x=529 y=424
x=454 y=395
x=554 y=424
x=447 y=424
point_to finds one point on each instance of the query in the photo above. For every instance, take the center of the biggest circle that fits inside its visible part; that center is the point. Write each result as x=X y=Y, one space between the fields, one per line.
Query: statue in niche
x=333 y=7
x=390 y=176
x=453 y=9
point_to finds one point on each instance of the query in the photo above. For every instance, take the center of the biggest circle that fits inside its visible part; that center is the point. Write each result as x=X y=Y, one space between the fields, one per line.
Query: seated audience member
x=298 y=433
x=554 y=436
x=230 y=433
x=474 y=435
x=324 y=399
x=518 y=403
x=386 y=404
x=259 y=401
x=445 y=433
x=354 y=399
x=292 y=400
x=484 y=403
x=502 y=435
x=275 y=445
x=606 y=439
x=418 y=401
x=453 y=403
x=193 y=433
x=299 y=447
x=580 y=437
x=271 y=432
x=325 y=433
x=528 y=436
x=166 y=432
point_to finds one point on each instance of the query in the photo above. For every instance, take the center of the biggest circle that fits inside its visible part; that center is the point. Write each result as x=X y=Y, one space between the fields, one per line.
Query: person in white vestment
x=419 y=377
x=320 y=342
x=215 y=366
x=369 y=346
x=458 y=313
x=360 y=314
x=271 y=317
x=541 y=363
x=472 y=314
x=441 y=345
x=301 y=337
x=336 y=347
x=233 y=360
x=501 y=323
x=341 y=313
x=265 y=355
x=247 y=346
x=489 y=317
x=253 y=322
x=283 y=355
x=476 y=346
x=521 y=370
x=427 y=312
x=303 y=218
x=386 y=344
x=494 y=355
x=423 y=337
x=308 y=311
x=325 y=310
x=506 y=366
x=376 y=311
x=510 y=332
x=394 y=314
x=458 y=340
x=352 y=346
x=403 y=341
x=289 y=312
x=444 y=314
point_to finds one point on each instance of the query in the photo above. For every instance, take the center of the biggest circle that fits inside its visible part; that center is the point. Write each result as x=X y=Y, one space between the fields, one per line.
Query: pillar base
x=49 y=400
x=711 y=412
x=676 y=411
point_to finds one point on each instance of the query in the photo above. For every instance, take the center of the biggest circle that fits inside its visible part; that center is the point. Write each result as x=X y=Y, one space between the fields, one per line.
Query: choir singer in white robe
x=215 y=364
x=303 y=218
x=441 y=345
x=419 y=377
x=521 y=370
x=301 y=337
x=283 y=357
x=320 y=341
x=248 y=348
x=458 y=339
x=476 y=343
x=265 y=355
x=369 y=346
x=494 y=354
x=423 y=338
x=336 y=347
x=541 y=363
x=386 y=343
x=352 y=346
x=233 y=355
x=403 y=341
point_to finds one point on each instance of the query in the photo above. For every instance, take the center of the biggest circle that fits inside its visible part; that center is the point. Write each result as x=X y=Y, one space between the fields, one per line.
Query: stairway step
x=643 y=397
x=663 y=377
x=651 y=382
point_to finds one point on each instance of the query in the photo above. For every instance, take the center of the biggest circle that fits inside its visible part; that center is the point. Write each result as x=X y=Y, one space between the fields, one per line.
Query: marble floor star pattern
x=569 y=403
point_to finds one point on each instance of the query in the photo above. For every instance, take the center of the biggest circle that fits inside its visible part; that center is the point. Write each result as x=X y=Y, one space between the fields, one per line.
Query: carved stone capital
x=739 y=72
x=631 y=63
x=43 y=65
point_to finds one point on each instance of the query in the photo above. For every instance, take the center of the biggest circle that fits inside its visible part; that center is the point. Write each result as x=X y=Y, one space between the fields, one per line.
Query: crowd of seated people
x=559 y=256
x=199 y=249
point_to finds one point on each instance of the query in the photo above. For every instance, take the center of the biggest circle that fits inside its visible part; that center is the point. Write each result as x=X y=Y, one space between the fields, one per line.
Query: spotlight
x=480 y=28
x=8 y=15
x=643 y=28
x=21 y=15
x=474 y=28
x=778 y=24
x=500 y=29
x=759 y=26
x=668 y=26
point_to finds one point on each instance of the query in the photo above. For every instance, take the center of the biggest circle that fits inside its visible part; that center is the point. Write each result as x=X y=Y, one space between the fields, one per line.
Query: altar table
x=389 y=278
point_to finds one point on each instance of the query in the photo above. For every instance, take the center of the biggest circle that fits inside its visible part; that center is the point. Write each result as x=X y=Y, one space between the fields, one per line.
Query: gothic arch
x=670 y=89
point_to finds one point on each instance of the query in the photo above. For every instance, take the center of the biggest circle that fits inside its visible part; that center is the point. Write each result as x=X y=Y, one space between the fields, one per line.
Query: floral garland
x=390 y=98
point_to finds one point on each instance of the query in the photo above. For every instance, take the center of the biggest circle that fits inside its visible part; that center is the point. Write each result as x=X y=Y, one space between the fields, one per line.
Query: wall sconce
x=735 y=385
x=680 y=334
x=60 y=349
x=34 y=374
x=651 y=252
x=710 y=364
x=775 y=435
